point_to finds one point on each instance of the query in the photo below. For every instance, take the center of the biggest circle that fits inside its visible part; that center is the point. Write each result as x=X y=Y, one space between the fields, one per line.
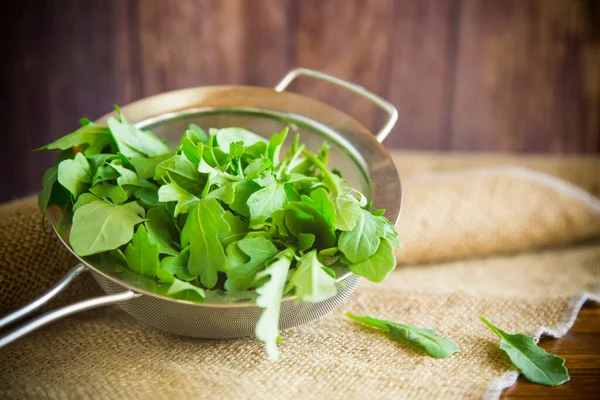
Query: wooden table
x=581 y=350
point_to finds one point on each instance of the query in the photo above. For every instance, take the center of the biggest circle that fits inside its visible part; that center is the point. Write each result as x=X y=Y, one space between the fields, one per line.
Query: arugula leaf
x=142 y=254
x=173 y=192
x=535 y=363
x=300 y=218
x=146 y=167
x=87 y=134
x=267 y=200
x=104 y=173
x=100 y=226
x=161 y=229
x=52 y=194
x=201 y=231
x=185 y=291
x=115 y=193
x=305 y=241
x=427 y=339
x=180 y=170
x=146 y=196
x=269 y=298
x=311 y=281
x=347 y=208
x=274 y=146
x=259 y=248
x=257 y=167
x=177 y=265
x=196 y=134
x=226 y=136
x=243 y=191
x=320 y=201
x=129 y=177
x=75 y=174
x=180 y=289
x=133 y=142
x=238 y=228
x=377 y=267
x=225 y=193
x=363 y=240
x=84 y=199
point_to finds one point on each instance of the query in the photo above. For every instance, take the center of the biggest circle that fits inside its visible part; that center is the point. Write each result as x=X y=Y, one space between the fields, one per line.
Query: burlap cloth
x=482 y=235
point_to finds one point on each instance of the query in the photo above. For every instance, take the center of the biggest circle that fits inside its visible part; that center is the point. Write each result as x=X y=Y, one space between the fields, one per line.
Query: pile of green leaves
x=220 y=212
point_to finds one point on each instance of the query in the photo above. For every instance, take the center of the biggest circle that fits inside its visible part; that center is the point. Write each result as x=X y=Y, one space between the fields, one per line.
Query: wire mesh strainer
x=356 y=152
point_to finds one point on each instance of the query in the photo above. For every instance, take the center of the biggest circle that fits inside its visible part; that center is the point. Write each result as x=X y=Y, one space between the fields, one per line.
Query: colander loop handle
x=359 y=90
x=55 y=314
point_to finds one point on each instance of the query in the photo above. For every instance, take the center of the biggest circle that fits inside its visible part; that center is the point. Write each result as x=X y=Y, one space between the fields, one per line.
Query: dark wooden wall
x=481 y=75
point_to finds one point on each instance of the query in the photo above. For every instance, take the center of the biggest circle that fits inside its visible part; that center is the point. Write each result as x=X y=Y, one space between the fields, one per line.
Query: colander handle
x=59 y=313
x=359 y=90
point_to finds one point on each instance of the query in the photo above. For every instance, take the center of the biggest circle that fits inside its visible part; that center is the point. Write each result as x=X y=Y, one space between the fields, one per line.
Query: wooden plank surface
x=352 y=42
x=421 y=72
x=527 y=76
x=581 y=350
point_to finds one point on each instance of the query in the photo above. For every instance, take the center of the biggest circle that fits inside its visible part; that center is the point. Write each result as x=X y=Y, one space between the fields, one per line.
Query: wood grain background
x=469 y=75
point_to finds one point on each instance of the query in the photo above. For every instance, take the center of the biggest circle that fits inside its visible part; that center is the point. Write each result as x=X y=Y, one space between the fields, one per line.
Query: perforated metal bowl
x=354 y=150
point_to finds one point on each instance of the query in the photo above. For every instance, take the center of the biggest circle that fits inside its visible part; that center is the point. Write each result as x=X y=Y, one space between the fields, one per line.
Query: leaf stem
x=327 y=176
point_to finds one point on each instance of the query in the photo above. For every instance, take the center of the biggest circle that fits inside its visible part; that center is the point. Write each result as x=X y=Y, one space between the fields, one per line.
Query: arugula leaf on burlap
x=535 y=363
x=427 y=339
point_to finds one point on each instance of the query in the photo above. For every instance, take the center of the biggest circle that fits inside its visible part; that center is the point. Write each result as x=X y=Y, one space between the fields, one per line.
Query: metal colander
x=355 y=151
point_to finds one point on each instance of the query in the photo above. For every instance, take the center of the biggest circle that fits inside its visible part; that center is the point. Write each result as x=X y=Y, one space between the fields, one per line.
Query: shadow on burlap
x=510 y=244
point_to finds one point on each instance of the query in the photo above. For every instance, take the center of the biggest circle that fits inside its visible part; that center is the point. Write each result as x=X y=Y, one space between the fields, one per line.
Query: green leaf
x=142 y=254
x=173 y=192
x=115 y=193
x=84 y=199
x=196 y=134
x=75 y=174
x=389 y=232
x=305 y=241
x=300 y=218
x=133 y=142
x=259 y=248
x=204 y=224
x=266 y=201
x=310 y=280
x=243 y=191
x=347 y=208
x=426 y=339
x=129 y=177
x=238 y=228
x=52 y=193
x=99 y=226
x=177 y=265
x=225 y=193
x=319 y=200
x=98 y=160
x=88 y=134
x=257 y=167
x=269 y=298
x=226 y=136
x=180 y=170
x=147 y=197
x=377 y=267
x=363 y=240
x=274 y=146
x=186 y=291
x=146 y=167
x=104 y=173
x=161 y=229
x=535 y=363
